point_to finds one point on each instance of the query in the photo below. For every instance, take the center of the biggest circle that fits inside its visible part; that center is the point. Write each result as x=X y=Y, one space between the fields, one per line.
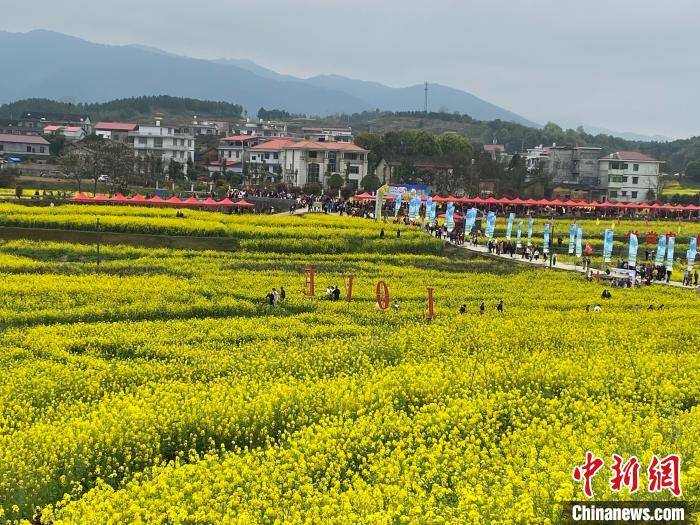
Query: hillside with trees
x=130 y=109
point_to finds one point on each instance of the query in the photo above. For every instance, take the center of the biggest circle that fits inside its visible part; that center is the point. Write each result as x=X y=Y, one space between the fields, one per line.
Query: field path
x=483 y=250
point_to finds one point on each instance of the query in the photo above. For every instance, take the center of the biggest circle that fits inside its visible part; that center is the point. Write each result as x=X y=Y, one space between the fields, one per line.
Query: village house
x=629 y=176
x=328 y=134
x=24 y=146
x=167 y=142
x=118 y=131
x=71 y=133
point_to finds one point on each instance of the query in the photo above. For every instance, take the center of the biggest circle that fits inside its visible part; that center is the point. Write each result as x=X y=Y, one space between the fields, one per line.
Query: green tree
x=692 y=171
x=370 y=183
x=335 y=181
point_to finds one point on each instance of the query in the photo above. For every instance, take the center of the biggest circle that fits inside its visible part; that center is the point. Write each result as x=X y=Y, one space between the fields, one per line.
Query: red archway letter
x=431 y=311
x=309 y=283
x=348 y=286
x=382 y=295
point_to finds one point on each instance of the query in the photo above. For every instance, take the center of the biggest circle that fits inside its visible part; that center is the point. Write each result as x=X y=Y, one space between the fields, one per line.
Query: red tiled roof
x=629 y=155
x=52 y=128
x=116 y=126
x=24 y=139
x=275 y=144
x=328 y=146
x=242 y=138
x=72 y=128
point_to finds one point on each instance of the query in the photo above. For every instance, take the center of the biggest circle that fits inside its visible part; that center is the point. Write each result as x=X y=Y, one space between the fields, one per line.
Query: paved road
x=483 y=250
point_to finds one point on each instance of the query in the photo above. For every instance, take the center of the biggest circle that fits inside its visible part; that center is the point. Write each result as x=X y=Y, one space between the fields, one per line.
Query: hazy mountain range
x=46 y=64
x=56 y=66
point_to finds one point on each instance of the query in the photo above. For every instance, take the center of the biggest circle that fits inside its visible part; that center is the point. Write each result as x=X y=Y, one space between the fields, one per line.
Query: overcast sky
x=625 y=65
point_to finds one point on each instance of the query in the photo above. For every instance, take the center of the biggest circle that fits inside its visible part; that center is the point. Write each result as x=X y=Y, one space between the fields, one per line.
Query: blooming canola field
x=157 y=387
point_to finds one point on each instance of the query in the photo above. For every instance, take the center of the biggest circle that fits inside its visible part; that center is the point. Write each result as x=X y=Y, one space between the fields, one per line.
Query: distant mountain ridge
x=56 y=66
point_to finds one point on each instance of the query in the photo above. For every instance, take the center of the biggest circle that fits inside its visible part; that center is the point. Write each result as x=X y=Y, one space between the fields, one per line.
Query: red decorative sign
x=348 y=285
x=431 y=310
x=382 y=295
x=309 y=284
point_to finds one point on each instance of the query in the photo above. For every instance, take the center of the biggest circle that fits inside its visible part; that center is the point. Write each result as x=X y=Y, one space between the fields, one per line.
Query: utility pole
x=425 y=104
x=98 y=241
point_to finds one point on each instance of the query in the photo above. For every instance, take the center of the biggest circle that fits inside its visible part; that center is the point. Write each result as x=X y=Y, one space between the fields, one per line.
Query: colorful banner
x=661 y=250
x=380 y=201
x=634 y=246
x=579 y=241
x=470 y=220
x=450 y=217
x=509 y=228
x=692 y=252
x=490 y=224
x=545 y=236
x=518 y=243
x=608 y=245
x=432 y=213
x=572 y=235
x=671 y=247
x=397 y=206
x=530 y=224
x=413 y=206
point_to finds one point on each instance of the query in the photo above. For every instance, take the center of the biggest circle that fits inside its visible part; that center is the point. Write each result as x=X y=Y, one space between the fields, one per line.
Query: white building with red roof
x=299 y=162
x=24 y=146
x=629 y=176
x=72 y=133
x=115 y=130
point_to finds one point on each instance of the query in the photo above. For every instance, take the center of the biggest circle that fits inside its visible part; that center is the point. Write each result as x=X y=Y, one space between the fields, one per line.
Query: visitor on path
x=695 y=277
x=668 y=275
x=283 y=294
x=336 y=293
x=398 y=234
x=396 y=306
x=554 y=259
x=463 y=309
x=606 y=294
x=597 y=308
x=381 y=233
x=482 y=308
x=329 y=293
x=500 y=306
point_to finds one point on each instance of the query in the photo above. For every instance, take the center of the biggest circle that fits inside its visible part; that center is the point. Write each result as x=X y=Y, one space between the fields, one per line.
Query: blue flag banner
x=397 y=206
x=490 y=224
x=692 y=252
x=432 y=211
x=450 y=217
x=608 y=245
x=530 y=224
x=545 y=236
x=661 y=250
x=518 y=242
x=413 y=206
x=572 y=235
x=634 y=246
x=470 y=220
x=670 y=248
x=509 y=228
x=579 y=242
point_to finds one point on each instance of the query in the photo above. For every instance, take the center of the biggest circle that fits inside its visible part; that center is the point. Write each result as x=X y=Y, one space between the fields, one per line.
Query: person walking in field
x=500 y=306
x=283 y=293
x=482 y=308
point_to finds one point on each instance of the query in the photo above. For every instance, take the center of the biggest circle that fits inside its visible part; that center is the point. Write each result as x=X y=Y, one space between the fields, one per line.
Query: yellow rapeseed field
x=158 y=387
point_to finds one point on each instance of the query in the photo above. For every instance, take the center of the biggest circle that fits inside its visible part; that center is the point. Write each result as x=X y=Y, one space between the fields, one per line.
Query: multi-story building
x=263 y=128
x=300 y=162
x=24 y=146
x=328 y=134
x=628 y=176
x=211 y=128
x=235 y=147
x=71 y=133
x=34 y=123
x=166 y=142
x=118 y=131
